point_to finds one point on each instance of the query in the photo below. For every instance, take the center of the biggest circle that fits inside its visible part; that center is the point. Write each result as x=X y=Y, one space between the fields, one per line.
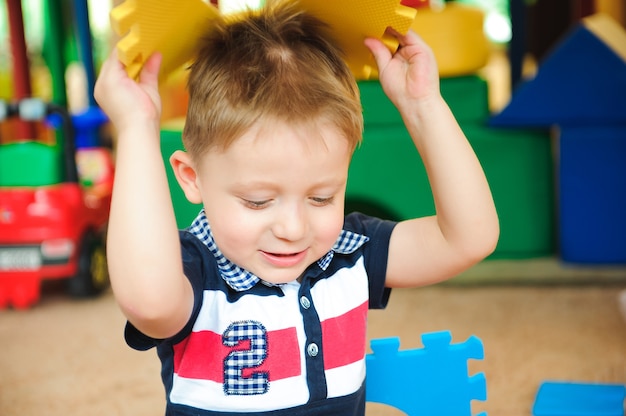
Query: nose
x=291 y=222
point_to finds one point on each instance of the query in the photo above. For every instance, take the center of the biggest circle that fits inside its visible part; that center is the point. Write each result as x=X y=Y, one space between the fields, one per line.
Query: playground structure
x=55 y=177
x=581 y=88
x=52 y=220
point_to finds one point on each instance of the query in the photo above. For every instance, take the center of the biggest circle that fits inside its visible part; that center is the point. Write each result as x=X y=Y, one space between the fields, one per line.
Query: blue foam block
x=579 y=399
x=583 y=81
x=592 y=194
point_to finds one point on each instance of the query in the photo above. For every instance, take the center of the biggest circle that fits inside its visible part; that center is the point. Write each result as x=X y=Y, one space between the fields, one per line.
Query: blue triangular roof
x=582 y=82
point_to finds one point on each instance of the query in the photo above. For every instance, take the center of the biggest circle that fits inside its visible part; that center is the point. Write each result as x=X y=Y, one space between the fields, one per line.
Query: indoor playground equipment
x=580 y=87
x=54 y=195
x=52 y=219
x=73 y=29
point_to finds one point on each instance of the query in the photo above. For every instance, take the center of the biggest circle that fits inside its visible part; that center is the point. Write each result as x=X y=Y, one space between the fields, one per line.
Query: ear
x=186 y=175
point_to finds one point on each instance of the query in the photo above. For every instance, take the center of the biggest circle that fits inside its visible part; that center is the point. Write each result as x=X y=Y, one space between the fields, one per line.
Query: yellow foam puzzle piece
x=174 y=26
x=455 y=34
x=171 y=27
x=352 y=21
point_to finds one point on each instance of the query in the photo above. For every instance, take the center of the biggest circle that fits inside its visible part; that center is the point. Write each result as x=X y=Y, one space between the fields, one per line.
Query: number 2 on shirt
x=248 y=339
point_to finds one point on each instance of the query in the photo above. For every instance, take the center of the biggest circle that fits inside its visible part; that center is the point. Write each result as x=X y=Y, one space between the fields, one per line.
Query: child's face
x=275 y=197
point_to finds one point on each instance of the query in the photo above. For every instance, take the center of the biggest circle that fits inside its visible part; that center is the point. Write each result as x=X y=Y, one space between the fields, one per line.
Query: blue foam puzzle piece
x=432 y=380
x=582 y=82
x=579 y=399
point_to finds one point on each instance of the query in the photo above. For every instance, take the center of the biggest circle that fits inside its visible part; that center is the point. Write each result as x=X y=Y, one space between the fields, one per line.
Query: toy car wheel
x=92 y=274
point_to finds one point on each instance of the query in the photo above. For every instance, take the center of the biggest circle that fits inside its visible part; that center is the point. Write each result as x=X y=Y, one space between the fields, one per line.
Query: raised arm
x=465 y=228
x=143 y=247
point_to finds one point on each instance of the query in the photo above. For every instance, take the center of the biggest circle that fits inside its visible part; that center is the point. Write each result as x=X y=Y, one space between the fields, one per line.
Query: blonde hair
x=276 y=63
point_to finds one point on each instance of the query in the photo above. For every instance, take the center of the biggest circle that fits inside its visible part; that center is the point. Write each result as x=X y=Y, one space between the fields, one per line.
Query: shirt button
x=312 y=349
x=305 y=302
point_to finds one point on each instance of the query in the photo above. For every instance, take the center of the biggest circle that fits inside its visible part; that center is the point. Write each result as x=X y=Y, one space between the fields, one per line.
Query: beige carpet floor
x=66 y=357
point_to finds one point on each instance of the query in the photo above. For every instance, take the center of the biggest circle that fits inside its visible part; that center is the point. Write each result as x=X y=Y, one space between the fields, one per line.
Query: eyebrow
x=267 y=185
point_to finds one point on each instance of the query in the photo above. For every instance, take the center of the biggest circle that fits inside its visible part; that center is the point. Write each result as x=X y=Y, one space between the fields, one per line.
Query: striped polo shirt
x=291 y=349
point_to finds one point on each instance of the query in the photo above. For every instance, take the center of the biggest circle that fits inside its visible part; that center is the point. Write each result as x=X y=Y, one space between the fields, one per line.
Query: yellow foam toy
x=173 y=27
x=455 y=34
x=354 y=20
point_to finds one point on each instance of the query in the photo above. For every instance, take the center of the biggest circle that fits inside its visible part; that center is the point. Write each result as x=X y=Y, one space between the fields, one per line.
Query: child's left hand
x=465 y=228
x=409 y=75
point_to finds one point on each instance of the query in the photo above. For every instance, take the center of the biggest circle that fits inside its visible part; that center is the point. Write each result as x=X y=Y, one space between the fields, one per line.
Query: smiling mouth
x=284 y=259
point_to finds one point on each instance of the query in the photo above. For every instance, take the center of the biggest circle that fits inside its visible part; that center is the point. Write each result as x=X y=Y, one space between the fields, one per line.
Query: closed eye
x=256 y=204
x=320 y=202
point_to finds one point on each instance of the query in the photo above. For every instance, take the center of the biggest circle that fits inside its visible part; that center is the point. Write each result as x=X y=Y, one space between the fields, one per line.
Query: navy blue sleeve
x=375 y=253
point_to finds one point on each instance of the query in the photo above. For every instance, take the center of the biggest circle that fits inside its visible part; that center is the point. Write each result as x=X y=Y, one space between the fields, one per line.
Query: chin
x=280 y=277
x=276 y=281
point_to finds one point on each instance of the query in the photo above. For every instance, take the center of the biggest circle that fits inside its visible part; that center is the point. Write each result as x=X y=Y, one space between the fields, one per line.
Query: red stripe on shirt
x=344 y=337
x=202 y=354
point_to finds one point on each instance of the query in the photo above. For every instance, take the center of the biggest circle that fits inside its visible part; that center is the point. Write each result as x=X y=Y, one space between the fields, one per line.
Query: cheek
x=232 y=231
x=236 y=243
x=328 y=228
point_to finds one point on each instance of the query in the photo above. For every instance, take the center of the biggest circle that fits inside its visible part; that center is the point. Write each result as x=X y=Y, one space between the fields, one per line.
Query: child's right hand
x=126 y=101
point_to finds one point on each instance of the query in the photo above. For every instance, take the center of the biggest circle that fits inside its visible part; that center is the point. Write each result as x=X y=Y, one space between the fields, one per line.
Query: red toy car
x=54 y=205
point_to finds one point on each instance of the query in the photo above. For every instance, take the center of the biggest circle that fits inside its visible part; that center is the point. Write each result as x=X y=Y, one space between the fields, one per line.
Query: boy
x=260 y=306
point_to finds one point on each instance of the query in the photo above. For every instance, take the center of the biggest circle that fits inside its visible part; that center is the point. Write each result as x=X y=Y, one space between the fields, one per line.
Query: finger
x=150 y=71
x=109 y=60
x=382 y=55
x=114 y=54
x=112 y=65
x=414 y=38
x=390 y=31
x=107 y=71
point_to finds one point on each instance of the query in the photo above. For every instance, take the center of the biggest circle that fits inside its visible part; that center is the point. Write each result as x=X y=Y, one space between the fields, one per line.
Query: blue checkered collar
x=239 y=278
